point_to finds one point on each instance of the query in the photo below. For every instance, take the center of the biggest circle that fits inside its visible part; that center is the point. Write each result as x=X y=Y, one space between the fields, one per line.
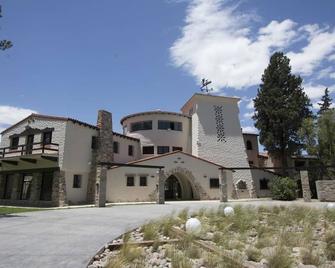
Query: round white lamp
x=193 y=225
x=228 y=211
x=331 y=206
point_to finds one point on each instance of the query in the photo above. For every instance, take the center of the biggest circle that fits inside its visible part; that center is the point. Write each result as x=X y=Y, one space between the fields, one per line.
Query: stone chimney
x=104 y=155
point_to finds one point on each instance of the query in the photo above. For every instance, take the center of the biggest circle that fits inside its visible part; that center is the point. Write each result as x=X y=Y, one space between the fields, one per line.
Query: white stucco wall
x=122 y=156
x=117 y=191
x=258 y=175
x=229 y=153
x=77 y=159
x=58 y=135
x=158 y=137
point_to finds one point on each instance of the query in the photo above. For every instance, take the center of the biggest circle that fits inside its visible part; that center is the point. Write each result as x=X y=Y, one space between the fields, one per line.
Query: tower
x=217 y=135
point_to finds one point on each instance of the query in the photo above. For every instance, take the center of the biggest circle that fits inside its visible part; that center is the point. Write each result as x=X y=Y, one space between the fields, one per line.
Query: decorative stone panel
x=326 y=190
x=59 y=189
x=306 y=190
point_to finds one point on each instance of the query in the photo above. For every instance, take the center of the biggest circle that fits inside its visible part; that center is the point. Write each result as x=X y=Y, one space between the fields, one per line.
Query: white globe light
x=331 y=206
x=193 y=225
x=228 y=211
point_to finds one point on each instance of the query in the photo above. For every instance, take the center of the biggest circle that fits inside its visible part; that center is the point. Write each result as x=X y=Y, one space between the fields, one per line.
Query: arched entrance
x=178 y=187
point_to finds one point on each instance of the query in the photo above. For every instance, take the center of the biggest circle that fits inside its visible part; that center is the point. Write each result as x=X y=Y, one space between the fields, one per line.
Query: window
x=94 y=143
x=214 y=183
x=249 y=145
x=26 y=185
x=130 y=181
x=144 y=125
x=143 y=180
x=177 y=148
x=251 y=162
x=162 y=124
x=130 y=150
x=264 y=184
x=47 y=137
x=162 y=149
x=115 y=147
x=14 y=143
x=148 y=149
x=76 y=181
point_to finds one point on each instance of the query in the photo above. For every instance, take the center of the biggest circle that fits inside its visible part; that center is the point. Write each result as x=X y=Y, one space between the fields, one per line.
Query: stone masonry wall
x=326 y=190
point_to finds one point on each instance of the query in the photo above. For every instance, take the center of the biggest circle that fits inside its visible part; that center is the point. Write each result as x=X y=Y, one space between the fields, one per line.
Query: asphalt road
x=70 y=237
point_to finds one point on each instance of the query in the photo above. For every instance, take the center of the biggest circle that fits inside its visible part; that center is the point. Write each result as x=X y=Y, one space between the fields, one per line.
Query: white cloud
x=320 y=45
x=249 y=129
x=218 y=43
x=10 y=115
x=316 y=91
x=250 y=104
x=326 y=73
x=248 y=115
x=332 y=75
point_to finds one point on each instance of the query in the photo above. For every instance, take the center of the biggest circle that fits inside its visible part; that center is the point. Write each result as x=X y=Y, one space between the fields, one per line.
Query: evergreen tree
x=325 y=103
x=280 y=108
x=4 y=44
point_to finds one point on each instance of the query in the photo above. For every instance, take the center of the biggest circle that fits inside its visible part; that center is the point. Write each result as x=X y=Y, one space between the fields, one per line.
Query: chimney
x=105 y=148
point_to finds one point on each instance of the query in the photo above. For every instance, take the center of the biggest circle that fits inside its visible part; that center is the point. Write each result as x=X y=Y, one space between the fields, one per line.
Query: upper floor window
x=14 y=143
x=162 y=124
x=130 y=181
x=47 y=137
x=162 y=149
x=249 y=145
x=264 y=184
x=130 y=150
x=115 y=147
x=143 y=181
x=148 y=149
x=143 y=125
x=177 y=148
x=94 y=142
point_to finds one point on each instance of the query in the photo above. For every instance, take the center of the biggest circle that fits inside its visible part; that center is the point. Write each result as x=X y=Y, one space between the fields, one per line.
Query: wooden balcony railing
x=28 y=149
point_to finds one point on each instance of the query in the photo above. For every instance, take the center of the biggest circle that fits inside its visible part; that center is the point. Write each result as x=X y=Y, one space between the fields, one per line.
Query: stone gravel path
x=70 y=237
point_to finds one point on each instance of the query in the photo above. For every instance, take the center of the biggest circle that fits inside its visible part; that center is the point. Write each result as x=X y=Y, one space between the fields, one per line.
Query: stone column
x=306 y=190
x=223 y=185
x=160 y=187
x=16 y=186
x=58 y=195
x=104 y=155
x=36 y=187
x=101 y=181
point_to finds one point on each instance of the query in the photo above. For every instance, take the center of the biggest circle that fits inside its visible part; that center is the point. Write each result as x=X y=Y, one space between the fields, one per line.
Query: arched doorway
x=177 y=187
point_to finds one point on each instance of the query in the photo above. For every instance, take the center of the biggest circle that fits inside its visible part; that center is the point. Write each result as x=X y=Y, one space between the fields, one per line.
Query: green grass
x=11 y=210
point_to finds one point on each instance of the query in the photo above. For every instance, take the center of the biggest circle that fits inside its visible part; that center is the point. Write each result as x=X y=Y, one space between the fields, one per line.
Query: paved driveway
x=70 y=237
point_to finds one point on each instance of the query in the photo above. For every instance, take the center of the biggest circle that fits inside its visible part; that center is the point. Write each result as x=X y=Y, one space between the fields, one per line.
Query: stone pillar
x=223 y=185
x=17 y=185
x=101 y=181
x=58 y=195
x=104 y=155
x=36 y=187
x=306 y=190
x=160 y=187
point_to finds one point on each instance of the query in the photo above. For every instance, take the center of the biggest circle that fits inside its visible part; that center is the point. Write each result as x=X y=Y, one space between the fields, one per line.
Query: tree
x=325 y=103
x=280 y=108
x=4 y=44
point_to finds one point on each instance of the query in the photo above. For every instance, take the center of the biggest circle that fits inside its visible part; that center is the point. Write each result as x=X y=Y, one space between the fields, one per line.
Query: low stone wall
x=326 y=190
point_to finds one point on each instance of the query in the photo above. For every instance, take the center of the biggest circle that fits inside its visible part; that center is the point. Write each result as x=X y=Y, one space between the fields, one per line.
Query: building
x=52 y=161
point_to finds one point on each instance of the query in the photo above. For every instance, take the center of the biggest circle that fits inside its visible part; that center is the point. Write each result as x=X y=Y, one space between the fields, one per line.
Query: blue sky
x=71 y=58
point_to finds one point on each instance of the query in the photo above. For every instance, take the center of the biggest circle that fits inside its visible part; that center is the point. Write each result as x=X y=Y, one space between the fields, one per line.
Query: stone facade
x=326 y=190
x=306 y=190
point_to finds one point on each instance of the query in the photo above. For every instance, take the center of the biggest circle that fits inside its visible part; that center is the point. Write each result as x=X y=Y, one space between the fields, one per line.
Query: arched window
x=249 y=145
x=241 y=185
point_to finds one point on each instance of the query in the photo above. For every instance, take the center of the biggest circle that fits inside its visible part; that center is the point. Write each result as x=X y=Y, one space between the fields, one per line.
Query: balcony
x=29 y=149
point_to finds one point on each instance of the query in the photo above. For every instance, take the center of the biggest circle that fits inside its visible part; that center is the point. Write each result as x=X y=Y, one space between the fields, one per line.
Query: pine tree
x=325 y=103
x=280 y=108
x=4 y=44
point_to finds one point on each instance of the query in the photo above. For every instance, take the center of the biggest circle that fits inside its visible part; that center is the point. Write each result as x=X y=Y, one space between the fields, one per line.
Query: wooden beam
x=50 y=157
x=30 y=160
x=11 y=162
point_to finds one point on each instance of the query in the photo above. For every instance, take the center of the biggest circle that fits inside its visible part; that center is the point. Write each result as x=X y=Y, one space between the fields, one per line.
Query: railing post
x=42 y=147
x=22 y=146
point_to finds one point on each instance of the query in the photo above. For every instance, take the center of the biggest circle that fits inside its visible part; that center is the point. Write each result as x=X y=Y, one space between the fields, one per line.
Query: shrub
x=253 y=254
x=280 y=258
x=308 y=257
x=283 y=188
x=330 y=245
